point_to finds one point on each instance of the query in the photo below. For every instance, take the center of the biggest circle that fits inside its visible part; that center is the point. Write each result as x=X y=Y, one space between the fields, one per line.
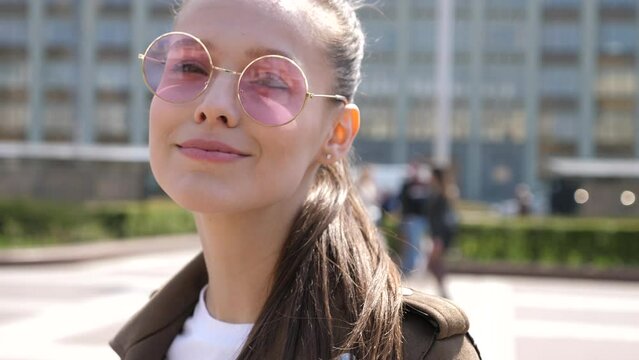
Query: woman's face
x=275 y=165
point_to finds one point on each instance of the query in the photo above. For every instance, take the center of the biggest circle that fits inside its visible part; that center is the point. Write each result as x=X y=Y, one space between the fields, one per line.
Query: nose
x=219 y=102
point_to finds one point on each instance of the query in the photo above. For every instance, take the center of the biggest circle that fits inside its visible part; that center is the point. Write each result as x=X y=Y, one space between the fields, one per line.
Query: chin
x=195 y=202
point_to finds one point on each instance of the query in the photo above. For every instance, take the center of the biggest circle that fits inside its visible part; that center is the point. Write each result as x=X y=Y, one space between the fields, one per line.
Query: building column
x=589 y=51
x=36 y=9
x=400 y=147
x=444 y=79
x=137 y=119
x=473 y=170
x=85 y=90
x=533 y=50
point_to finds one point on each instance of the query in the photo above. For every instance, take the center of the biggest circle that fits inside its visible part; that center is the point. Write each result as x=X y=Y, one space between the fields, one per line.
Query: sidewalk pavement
x=70 y=253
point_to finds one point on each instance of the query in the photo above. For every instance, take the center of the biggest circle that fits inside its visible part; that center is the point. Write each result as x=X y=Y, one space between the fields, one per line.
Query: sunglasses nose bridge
x=214 y=78
x=219 y=96
x=226 y=71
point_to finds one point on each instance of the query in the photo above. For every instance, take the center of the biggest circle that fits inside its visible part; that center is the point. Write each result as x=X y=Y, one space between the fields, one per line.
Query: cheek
x=164 y=119
x=159 y=115
x=291 y=153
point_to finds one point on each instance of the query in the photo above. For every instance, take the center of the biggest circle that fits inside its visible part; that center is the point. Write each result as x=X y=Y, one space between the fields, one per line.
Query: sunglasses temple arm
x=336 y=97
x=144 y=57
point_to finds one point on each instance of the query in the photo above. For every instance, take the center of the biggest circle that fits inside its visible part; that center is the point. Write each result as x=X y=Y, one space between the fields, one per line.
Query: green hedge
x=597 y=242
x=552 y=241
x=31 y=223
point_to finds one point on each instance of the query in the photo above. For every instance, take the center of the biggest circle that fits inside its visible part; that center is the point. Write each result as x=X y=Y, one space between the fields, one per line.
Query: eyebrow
x=257 y=52
x=253 y=53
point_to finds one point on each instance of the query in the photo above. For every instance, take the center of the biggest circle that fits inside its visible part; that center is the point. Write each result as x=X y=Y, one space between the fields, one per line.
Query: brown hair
x=335 y=289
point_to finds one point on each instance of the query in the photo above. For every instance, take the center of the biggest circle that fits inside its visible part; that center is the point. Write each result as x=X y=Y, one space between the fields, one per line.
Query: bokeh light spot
x=628 y=198
x=581 y=196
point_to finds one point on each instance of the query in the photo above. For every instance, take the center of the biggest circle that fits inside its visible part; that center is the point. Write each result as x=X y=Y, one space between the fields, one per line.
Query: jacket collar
x=150 y=332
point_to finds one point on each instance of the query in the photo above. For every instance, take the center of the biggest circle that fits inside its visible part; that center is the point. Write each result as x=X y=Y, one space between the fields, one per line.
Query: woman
x=250 y=128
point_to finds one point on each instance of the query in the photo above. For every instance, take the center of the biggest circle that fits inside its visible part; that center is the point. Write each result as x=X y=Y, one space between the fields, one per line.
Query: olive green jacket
x=433 y=328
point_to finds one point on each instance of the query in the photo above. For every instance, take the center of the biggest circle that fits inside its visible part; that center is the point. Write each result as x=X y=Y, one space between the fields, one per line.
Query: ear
x=342 y=135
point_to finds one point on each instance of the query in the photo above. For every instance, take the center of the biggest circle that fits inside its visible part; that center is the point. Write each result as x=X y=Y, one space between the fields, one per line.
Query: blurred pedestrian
x=443 y=225
x=414 y=196
x=524 y=199
x=291 y=266
x=369 y=193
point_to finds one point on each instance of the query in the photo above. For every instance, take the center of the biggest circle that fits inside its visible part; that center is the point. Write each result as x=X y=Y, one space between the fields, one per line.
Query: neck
x=241 y=252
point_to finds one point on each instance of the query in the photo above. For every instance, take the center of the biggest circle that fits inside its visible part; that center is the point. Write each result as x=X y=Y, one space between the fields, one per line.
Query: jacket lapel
x=151 y=331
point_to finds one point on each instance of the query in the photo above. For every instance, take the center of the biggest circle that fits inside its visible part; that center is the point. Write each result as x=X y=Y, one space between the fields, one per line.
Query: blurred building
x=73 y=109
x=532 y=82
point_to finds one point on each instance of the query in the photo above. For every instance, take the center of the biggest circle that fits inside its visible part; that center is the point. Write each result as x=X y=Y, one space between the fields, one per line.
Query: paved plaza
x=69 y=311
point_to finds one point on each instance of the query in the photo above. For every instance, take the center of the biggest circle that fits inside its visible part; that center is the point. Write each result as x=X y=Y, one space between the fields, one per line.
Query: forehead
x=251 y=28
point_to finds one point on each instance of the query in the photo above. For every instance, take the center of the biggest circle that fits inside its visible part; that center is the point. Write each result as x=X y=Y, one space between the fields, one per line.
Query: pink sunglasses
x=272 y=89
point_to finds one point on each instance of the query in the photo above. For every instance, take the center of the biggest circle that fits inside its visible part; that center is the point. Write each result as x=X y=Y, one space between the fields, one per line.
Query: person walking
x=444 y=223
x=414 y=196
x=369 y=193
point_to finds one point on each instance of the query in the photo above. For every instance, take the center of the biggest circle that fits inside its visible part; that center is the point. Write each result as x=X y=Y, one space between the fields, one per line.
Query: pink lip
x=208 y=150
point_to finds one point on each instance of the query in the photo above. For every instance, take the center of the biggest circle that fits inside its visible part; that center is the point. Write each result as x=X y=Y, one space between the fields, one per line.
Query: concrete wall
x=605 y=197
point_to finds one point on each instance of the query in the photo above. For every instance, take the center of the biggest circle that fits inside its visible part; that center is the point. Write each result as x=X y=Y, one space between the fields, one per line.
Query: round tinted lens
x=177 y=68
x=272 y=90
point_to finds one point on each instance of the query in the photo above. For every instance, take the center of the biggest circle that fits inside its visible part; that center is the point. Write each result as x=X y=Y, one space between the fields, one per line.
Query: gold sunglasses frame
x=309 y=95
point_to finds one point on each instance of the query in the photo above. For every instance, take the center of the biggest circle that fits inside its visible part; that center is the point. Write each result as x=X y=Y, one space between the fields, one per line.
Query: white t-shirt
x=206 y=338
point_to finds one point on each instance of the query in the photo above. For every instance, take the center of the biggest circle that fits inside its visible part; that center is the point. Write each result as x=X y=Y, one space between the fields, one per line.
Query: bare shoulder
x=435 y=328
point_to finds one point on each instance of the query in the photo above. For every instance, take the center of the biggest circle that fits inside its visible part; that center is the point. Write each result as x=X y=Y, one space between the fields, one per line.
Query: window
x=558 y=132
x=14 y=120
x=59 y=121
x=13 y=73
x=461 y=122
x=463 y=35
x=619 y=3
x=61 y=32
x=61 y=74
x=615 y=127
x=421 y=121
x=617 y=82
x=113 y=32
x=505 y=36
x=503 y=121
x=378 y=118
x=13 y=32
x=618 y=38
x=422 y=36
x=560 y=81
x=112 y=76
x=421 y=80
x=506 y=81
x=378 y=79
x=381 y=36
x=112 y=121
x=562 y=3
x=561 y=37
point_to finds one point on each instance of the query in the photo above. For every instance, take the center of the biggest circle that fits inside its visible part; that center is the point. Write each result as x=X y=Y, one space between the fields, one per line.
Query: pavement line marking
x=576 y=302
x=62 y=321
x=569 y=330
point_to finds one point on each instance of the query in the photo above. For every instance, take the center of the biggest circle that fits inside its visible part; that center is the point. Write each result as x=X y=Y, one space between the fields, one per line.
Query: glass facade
x=14 y=74
x=616 y=81
x=529 y=80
